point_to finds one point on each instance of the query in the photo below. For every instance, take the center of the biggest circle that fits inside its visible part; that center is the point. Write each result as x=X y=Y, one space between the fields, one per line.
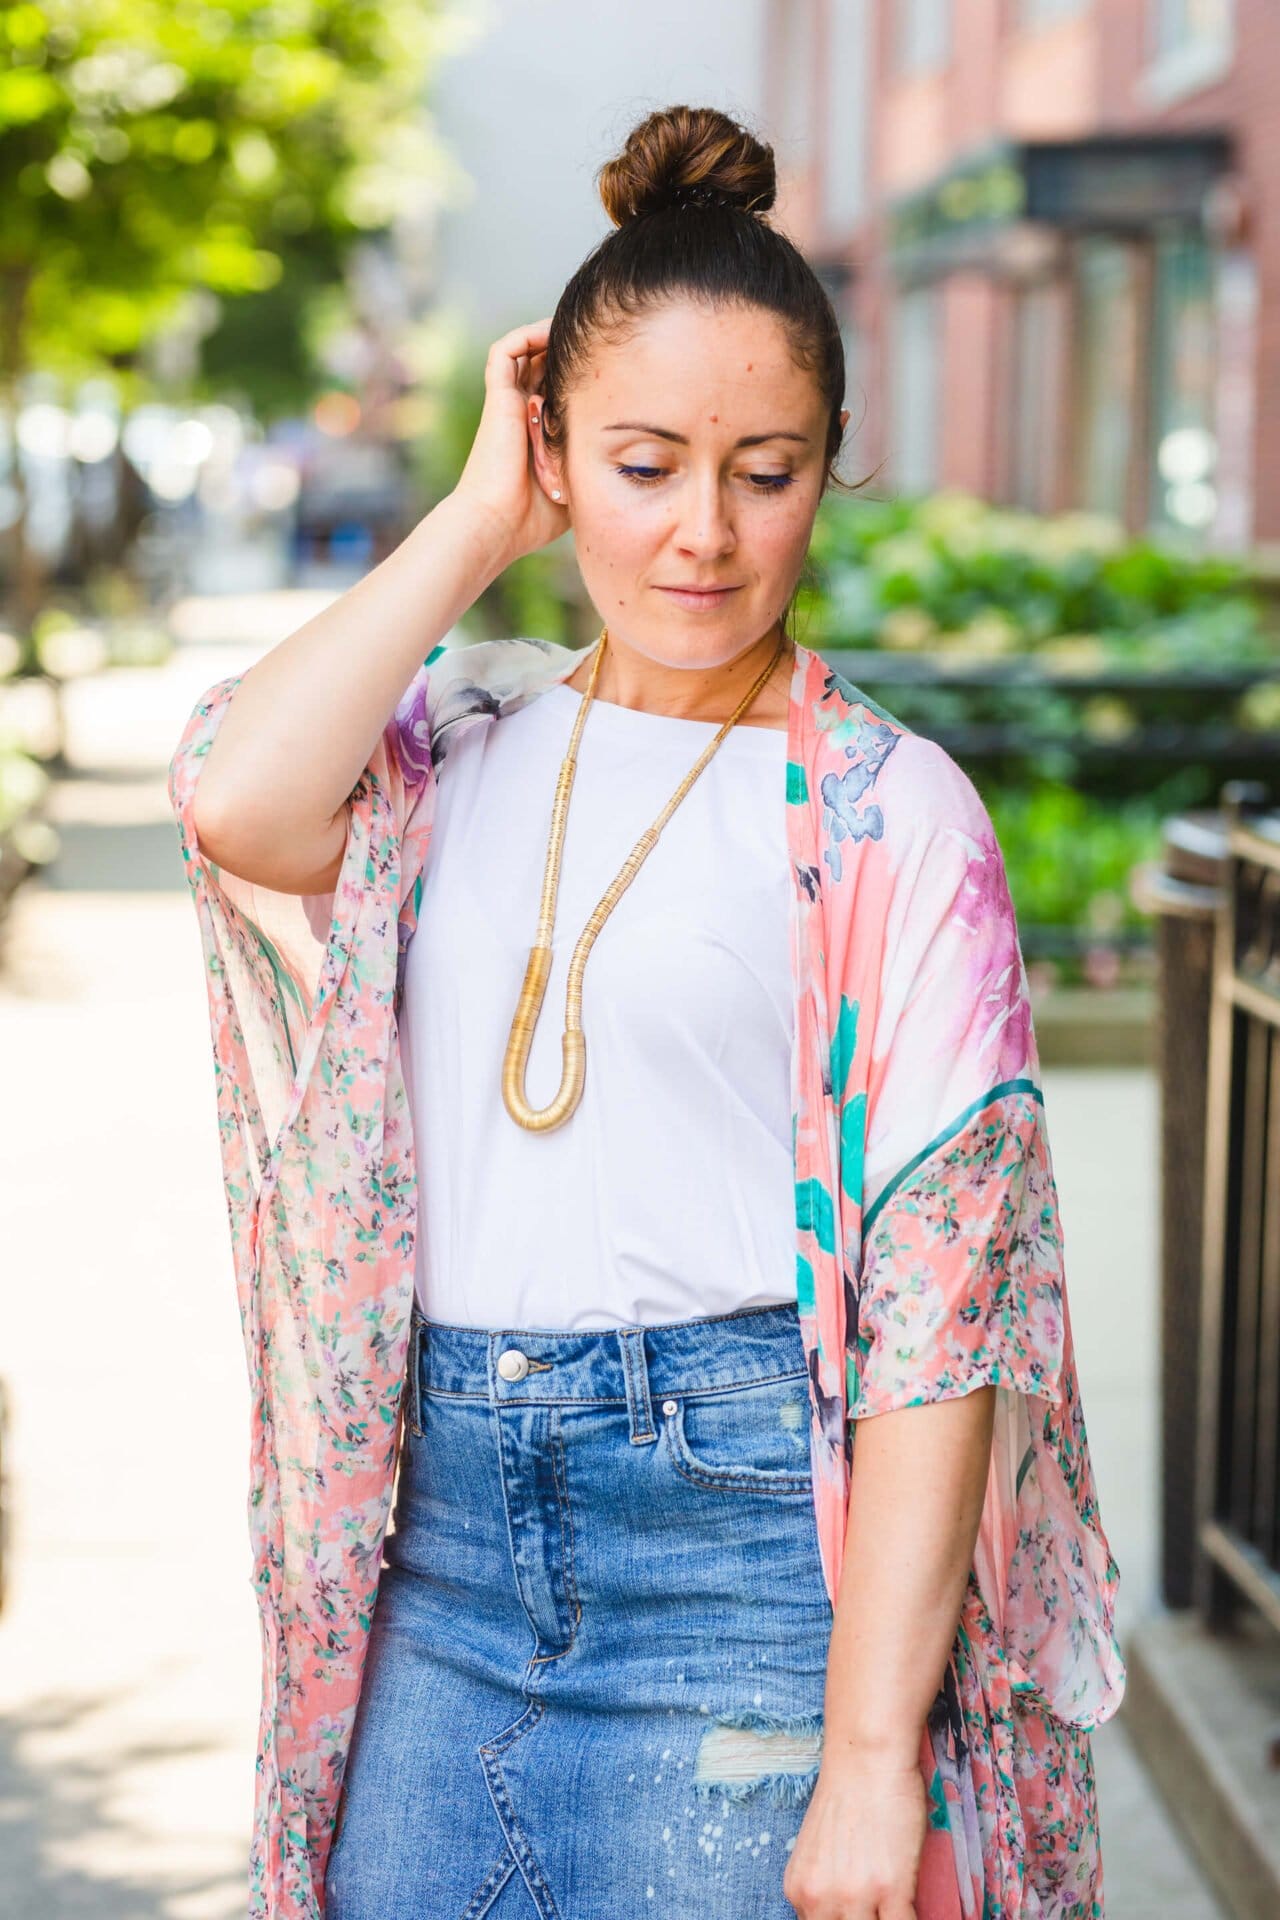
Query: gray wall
x=532 y=107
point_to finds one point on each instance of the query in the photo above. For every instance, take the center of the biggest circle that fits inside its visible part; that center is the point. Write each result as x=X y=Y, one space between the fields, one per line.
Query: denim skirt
x=595 y=1674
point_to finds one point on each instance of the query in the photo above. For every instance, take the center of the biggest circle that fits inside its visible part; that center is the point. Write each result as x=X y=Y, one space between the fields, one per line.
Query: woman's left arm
x=916 y=1491
x=953 y=1290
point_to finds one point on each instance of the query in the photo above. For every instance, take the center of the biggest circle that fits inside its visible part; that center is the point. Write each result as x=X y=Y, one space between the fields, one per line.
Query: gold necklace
x=573 y=1044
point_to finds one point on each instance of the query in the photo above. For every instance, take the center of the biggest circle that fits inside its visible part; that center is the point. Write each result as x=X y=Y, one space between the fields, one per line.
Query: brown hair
x=687 y=196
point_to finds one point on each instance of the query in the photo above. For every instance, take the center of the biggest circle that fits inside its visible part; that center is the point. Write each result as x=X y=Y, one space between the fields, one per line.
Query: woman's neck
x=630 y=679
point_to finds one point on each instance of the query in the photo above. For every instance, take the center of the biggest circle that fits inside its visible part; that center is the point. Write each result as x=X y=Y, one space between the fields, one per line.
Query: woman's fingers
x=522 y=344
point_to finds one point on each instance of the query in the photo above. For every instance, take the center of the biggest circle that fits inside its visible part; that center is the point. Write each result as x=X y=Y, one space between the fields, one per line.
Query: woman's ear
x=844 y=418
x=546 y=465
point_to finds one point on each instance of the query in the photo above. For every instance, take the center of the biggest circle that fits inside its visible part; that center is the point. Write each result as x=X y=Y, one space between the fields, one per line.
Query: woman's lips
x=697 y=600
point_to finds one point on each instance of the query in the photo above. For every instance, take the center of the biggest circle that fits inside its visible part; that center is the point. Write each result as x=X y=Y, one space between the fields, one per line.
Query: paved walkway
x=128 y=1650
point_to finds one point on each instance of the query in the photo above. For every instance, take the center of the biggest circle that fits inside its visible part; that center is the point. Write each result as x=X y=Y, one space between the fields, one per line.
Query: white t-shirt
x=668 y=1194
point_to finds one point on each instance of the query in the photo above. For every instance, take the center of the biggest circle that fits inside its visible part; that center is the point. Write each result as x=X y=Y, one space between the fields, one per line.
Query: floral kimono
x=929 y=1255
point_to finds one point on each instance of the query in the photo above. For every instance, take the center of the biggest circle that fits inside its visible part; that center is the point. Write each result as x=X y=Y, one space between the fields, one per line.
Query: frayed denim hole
x=752 y=1753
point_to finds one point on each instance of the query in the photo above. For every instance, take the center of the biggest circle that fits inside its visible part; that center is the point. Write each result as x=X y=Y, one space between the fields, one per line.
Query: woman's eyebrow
x=665 y=433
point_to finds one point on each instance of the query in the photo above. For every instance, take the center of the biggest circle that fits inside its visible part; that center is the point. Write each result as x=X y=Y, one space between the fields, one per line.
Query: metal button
x=669 y=1406
x=512 y=1364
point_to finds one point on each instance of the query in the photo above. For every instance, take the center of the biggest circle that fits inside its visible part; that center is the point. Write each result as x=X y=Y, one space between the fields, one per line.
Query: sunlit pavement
x=129 y=1648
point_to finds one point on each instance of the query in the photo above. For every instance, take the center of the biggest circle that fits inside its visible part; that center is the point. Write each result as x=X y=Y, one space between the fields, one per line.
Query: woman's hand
x=498 y=482
x=857 y=1854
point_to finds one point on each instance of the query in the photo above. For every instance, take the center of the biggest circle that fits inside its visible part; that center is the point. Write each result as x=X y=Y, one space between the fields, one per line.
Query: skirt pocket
x=751 y=1439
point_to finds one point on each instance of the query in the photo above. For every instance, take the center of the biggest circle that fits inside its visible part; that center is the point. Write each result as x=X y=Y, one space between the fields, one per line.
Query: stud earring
x=555 y=493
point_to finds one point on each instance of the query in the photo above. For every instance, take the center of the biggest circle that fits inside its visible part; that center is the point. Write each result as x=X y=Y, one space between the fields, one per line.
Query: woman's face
x=694 y=462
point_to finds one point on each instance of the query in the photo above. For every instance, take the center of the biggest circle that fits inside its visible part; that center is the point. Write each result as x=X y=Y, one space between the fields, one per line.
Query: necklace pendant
x=516 y=1062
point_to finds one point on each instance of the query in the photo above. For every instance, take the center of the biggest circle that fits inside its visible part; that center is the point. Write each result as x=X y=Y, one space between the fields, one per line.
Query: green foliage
x=150 y=148
x=62 y=644
x=262 y=350
x=455 y=379
x=1069 y=857
x=952 y=575
x=23 y=784
x=530 y=597
x=1104 y=638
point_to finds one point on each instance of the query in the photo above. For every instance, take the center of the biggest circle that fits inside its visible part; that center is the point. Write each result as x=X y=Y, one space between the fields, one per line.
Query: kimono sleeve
x=265 y=950
x=961 y=1277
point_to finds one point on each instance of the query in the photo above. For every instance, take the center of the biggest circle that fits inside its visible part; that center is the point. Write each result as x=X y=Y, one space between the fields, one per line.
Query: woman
x=745 y=1557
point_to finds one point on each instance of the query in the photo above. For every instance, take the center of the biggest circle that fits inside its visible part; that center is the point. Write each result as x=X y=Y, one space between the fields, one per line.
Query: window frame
x=923 y=37
x=1190 y=62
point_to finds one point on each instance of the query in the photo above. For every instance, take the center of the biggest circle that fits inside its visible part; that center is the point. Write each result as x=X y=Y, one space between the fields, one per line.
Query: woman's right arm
x=271 y=802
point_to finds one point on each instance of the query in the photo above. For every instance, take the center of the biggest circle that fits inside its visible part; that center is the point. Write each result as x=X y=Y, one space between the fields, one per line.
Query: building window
x=1192 y=45
x=1039 y=347
x=1177 y=24
x=1106 y=375
x=1042 y=13
x=924 y=35
x=836 y=277
x=843 y=105
x=1183 y=379
x=914 y=387
x=1146 y=382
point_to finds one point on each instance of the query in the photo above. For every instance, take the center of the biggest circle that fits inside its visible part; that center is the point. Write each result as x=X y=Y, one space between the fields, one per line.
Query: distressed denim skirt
x=595 y=1675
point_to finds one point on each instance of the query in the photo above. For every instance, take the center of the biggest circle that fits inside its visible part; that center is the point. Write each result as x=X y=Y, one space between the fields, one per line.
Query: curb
x=1203 y=1712
x=1090 y=1027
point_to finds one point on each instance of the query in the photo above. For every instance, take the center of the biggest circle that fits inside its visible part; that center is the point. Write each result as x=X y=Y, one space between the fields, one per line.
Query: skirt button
x=512 y=1364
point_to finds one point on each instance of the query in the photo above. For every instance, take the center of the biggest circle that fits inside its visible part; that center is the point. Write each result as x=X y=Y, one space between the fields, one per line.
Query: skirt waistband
x=607 y=1365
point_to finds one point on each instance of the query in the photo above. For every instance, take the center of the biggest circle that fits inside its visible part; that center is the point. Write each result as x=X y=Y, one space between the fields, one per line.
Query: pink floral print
x=929 y=1255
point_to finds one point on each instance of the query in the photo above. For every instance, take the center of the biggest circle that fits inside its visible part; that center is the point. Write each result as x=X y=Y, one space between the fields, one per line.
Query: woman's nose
x=706 y=526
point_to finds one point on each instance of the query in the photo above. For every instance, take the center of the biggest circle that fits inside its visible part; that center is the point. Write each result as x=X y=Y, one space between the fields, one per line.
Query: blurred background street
x=248 y=279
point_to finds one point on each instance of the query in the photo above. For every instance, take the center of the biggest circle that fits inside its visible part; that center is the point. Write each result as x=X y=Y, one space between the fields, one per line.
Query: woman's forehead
x=689 y=369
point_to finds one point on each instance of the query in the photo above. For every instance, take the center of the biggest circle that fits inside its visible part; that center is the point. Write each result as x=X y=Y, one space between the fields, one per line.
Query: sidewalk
x=128 y=1651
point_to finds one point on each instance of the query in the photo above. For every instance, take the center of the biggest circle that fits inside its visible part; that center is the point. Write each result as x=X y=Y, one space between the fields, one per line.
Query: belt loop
x=412 y=1384
x=636 y=1374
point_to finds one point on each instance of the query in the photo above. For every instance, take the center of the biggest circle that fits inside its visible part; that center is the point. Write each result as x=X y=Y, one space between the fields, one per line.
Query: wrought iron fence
x=1238 y=1444
x=1184 y=894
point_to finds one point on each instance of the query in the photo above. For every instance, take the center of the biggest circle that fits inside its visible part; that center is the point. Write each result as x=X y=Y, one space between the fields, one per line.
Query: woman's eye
x=762 y=482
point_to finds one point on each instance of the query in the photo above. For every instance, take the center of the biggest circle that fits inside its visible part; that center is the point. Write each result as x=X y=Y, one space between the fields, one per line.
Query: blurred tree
x=156 y=152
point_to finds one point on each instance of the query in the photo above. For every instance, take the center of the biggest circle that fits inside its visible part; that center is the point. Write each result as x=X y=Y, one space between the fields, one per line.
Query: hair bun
x=688 y=157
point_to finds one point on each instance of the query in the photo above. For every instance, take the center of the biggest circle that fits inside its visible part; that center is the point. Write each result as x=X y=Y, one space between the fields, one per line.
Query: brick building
x=1064 y=270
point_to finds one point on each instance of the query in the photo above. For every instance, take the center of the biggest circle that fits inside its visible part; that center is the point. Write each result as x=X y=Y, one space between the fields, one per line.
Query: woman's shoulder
x=919 y=787
x=930 y=791
x=472 y=679
x=501 y=666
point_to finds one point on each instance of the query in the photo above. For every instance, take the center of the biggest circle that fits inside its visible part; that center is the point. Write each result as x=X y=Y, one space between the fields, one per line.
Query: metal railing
x=1238 y=1442
x=1184 y=894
